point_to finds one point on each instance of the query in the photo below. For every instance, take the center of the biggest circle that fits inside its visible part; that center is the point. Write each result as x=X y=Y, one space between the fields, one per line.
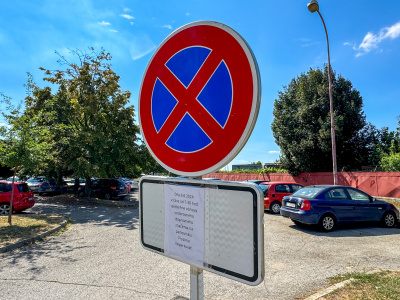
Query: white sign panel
x=217 y=226
x=184 y=223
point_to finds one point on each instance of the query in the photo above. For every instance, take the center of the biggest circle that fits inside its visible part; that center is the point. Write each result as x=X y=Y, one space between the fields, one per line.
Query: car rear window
x=23 y=188
x=307 y=192
x=264 y=188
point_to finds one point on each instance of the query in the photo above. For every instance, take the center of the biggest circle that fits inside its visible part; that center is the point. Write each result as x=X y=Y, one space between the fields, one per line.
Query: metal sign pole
x=196 y=283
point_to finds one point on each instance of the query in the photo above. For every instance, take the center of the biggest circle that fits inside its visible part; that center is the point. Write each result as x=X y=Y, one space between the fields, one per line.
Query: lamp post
x=313 y=6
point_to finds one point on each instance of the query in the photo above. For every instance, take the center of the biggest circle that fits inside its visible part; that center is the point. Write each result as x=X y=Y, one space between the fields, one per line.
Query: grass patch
x=380 y=286
x=25 y=227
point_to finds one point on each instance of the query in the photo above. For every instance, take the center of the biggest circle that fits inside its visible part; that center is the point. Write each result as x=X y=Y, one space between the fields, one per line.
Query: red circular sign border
x=228 y=141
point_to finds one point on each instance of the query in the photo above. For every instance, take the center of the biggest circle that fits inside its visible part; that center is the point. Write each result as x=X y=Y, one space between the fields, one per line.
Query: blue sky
x=286 y=39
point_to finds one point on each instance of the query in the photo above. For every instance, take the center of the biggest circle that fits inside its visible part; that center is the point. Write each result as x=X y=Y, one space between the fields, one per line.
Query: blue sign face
x=215 y=97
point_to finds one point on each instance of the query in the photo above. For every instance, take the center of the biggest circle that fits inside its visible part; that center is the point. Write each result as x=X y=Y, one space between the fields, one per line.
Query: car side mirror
x=372 y=199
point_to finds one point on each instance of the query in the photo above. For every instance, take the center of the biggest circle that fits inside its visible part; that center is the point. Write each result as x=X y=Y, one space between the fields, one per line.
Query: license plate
x=290 y=204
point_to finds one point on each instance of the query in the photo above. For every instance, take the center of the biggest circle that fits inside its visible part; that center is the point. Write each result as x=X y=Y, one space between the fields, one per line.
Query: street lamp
x=313 y=6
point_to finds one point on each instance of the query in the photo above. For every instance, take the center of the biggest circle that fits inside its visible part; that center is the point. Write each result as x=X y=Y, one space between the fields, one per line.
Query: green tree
x=301 y=125
x=23 y=146
x=91 y=122
x=390 y=156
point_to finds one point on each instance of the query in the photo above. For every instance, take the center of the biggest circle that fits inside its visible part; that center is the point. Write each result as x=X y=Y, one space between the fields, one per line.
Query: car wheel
x=275 y=207
x=107 y=196
x=389 y=220
x=4 y=209
x=327 y=222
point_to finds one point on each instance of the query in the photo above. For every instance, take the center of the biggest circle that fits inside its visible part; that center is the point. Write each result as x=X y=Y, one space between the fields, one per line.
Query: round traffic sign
x=199 y=98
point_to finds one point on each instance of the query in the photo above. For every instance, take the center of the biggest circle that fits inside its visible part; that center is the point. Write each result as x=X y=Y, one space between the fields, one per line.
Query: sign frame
x=151 y=207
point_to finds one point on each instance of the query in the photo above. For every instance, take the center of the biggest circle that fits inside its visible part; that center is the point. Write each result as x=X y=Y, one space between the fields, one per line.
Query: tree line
x=84 y=128
x=301 y=128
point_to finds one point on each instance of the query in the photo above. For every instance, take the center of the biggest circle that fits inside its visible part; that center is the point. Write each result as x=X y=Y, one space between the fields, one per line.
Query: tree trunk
x=11 y=200
x=88 y=187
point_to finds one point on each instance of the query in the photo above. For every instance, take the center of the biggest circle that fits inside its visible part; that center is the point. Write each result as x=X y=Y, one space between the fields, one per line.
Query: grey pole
x=313 y=6
x=196 y=283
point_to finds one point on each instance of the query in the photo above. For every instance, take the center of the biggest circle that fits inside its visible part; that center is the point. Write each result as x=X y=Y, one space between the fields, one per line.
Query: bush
x=391 y=162
x=256 y=171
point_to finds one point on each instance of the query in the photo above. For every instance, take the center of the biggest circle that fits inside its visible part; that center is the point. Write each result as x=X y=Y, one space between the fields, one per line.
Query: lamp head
x=313 y=6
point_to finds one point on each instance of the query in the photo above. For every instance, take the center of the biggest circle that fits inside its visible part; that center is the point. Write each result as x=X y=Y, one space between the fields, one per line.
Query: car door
x=365 y=209
x=338 y=200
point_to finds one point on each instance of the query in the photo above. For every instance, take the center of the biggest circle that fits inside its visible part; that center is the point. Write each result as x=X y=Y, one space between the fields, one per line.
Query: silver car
x=33 y=184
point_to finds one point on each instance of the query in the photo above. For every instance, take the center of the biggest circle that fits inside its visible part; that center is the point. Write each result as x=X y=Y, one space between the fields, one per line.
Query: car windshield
x=307 y=192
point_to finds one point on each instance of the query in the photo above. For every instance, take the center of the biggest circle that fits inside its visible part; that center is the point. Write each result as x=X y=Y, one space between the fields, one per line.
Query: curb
x=21 y=243
x=328 y=290
x=334 y=287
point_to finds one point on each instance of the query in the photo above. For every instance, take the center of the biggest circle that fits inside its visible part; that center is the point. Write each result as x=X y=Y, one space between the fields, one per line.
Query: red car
x=275 y=191
x=23 y=197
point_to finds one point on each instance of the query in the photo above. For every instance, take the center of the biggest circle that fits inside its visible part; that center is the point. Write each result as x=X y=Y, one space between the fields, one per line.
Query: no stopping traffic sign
x=199 y=98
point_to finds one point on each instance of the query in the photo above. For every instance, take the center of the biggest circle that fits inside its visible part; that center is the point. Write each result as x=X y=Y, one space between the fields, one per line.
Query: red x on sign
x=199 y=98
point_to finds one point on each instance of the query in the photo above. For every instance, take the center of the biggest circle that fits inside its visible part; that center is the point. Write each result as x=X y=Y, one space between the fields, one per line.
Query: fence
x=380 y=184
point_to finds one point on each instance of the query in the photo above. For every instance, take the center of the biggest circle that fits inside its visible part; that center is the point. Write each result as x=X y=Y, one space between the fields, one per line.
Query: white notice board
x=214 y=225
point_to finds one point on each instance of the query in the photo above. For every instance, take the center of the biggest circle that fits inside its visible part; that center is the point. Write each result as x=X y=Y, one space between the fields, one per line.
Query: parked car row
x=322 y=205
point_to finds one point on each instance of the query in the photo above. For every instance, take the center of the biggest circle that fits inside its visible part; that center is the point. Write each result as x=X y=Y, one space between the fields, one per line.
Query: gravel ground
x=100 y=257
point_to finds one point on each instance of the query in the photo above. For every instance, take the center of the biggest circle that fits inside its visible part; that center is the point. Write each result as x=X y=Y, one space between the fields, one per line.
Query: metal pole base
x=196 y=283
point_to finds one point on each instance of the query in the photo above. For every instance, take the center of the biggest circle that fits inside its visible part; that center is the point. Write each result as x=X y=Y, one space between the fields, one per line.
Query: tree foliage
x=23 y=146
x=301 y=125
x=92 y=125
x=85 y=128
x=390 y=155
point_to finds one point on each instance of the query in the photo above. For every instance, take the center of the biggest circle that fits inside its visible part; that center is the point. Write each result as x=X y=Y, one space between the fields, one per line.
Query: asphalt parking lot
x=100 y=257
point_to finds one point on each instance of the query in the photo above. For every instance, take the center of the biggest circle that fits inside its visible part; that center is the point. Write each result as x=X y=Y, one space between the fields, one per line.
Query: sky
x=286 y=39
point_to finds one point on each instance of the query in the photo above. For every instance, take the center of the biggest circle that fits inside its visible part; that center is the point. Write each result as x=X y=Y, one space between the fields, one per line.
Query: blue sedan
x=329 y=205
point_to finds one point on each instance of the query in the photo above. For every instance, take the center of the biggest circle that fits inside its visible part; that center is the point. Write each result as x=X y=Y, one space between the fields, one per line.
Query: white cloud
x=273 y=152
x=126 y=16
x=140 y=55
x=167 y=26
x=141 y=46
x=126 y=9
x=104 y=23
x=113 y=30
x=371 y=41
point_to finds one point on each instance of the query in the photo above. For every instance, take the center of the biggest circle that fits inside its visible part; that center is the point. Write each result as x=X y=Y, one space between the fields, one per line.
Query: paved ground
x=100 y=257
